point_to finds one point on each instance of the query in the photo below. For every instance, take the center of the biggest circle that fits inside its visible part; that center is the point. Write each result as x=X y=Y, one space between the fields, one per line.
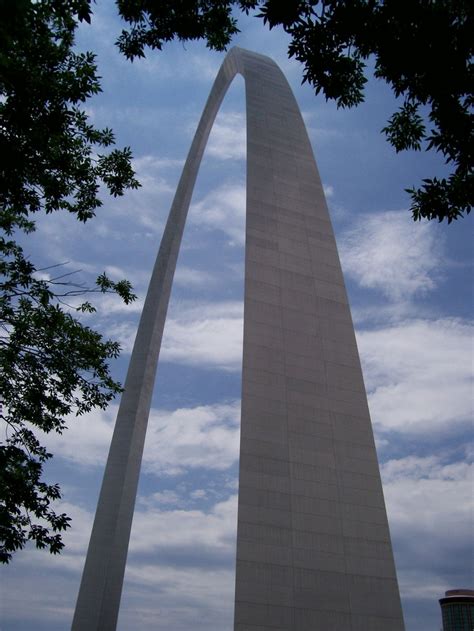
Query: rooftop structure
x=457 y=609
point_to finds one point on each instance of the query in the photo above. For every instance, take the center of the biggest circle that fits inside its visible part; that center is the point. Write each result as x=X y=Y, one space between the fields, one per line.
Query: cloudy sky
x=411 y=297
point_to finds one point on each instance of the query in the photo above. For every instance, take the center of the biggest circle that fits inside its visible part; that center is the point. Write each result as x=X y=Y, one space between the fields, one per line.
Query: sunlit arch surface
x=313 y=545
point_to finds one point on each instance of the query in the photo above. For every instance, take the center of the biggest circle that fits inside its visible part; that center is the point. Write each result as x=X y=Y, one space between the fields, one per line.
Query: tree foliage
x=52 y=159
x=422 y=48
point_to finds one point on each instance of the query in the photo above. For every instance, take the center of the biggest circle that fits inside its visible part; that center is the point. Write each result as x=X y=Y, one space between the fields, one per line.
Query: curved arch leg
x=313 y=545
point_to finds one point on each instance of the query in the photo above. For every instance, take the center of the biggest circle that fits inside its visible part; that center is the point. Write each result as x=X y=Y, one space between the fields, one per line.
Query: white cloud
x=429 y=500
x=198 y=66
x=208 y=334
x=228 y=138
x=206 y=436
x=111 y=304
x=165 y=597
x=388 y=252
x=191 y=277
x=160 y=498
x=322 y=127
x=151 y=202
x=150 y=164
x=198 y=494
x=124 y=333
x=115 y=237
x=178 y=531
x=182 y=565
x=328 y=191
x=185 y=531
x=86 y=441
x=181 y=562
x=223 y=209
x=327 y=134
x=418 y=374
x=75 y=539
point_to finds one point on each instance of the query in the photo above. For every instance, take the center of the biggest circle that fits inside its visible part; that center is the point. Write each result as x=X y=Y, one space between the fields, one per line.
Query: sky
x=410 y=289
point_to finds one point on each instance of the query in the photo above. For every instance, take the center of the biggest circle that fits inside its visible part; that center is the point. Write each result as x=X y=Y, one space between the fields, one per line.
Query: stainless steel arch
x=313 y=545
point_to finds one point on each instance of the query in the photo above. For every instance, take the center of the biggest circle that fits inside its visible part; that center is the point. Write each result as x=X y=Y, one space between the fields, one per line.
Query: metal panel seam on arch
x=313 y=544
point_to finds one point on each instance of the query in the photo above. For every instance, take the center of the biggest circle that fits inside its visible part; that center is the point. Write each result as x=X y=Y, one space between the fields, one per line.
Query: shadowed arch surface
x=313 y=544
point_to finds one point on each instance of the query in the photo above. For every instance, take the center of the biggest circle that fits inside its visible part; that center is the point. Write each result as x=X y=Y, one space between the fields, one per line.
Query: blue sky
x=410 y=287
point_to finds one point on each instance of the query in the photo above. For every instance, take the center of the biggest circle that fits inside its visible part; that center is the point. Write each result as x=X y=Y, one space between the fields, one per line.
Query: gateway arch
x=313 y=543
